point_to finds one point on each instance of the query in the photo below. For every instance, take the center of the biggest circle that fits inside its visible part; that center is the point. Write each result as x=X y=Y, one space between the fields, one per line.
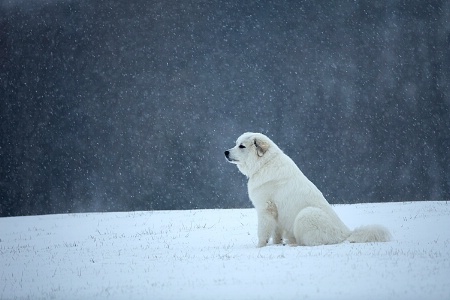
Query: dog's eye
x=241 y=146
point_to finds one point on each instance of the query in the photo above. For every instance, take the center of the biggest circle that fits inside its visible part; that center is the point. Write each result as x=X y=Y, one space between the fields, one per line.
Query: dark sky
x=115 y=105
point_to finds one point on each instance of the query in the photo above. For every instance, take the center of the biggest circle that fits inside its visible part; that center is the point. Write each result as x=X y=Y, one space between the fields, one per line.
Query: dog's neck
x=263 y=164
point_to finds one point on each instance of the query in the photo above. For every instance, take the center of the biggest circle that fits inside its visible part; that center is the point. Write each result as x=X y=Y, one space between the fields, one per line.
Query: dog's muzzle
x=230 y=158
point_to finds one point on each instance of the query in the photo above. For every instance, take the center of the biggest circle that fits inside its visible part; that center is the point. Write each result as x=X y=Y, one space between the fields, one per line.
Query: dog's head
x=250 y=152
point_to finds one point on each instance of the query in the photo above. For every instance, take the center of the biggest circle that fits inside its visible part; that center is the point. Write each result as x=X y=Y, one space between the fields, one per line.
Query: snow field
x=205 y=254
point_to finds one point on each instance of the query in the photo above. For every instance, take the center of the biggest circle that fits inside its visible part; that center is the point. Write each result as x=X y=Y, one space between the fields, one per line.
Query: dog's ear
x=261 y=146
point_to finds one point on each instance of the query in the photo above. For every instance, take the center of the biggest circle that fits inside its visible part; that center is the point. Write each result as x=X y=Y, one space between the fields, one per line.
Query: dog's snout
x=229 y=156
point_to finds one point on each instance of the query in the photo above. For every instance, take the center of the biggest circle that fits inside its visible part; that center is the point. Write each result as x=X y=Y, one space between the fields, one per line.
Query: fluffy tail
x=369 y=234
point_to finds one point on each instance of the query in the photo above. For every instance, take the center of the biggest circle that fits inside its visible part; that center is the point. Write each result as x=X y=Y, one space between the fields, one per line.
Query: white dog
x=287 y=202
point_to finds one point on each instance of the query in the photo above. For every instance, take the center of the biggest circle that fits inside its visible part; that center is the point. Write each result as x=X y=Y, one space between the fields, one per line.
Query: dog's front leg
x=266 y=226
x=277 y=236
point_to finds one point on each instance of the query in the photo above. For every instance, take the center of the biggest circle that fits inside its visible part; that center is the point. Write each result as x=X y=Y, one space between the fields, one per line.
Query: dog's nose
x=227 y=153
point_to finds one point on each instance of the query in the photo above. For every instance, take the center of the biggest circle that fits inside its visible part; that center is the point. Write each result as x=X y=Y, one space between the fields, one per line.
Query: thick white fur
x=287 y=203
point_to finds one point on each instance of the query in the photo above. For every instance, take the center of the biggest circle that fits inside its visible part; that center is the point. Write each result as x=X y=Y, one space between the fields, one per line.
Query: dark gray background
x=128 y=105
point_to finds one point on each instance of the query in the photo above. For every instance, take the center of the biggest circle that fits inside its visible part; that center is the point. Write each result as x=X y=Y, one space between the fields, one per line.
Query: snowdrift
x=212 y=254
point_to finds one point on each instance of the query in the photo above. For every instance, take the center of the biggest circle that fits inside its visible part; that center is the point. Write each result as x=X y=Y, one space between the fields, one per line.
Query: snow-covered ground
x=212 y=254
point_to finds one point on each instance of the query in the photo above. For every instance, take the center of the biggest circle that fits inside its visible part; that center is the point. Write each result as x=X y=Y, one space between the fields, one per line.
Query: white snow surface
x=212 y=254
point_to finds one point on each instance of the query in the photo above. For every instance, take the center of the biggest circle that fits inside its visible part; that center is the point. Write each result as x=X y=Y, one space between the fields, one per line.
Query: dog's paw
x=277 y=241
x=262 y=243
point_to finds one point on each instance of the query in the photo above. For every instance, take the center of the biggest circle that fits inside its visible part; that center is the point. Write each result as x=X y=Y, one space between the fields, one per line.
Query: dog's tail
x=369 y=234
